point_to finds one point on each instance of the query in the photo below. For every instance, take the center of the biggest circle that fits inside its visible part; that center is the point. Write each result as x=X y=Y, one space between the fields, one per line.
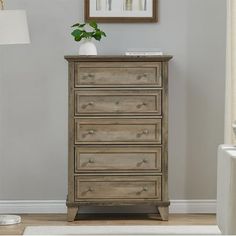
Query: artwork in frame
x=121 y=11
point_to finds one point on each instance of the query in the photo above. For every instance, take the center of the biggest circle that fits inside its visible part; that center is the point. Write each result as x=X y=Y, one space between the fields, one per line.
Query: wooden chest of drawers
x=118 y=132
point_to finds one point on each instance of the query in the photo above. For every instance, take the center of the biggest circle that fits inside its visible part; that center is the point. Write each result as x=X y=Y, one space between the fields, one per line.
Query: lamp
x=13 y=26
x=13 y=30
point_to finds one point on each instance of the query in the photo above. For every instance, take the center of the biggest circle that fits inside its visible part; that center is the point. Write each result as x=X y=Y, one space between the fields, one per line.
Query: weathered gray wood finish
x=113 y=101
x=118 y=159
x=117 y=187
x=121 y=74
x=118 y=132
x=122 y=130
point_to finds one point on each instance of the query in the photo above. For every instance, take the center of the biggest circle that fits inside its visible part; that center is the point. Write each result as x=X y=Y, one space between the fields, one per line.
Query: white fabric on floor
x=124 y=230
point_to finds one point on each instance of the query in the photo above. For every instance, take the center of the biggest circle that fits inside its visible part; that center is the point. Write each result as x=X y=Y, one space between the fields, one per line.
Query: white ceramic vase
x=87 y=47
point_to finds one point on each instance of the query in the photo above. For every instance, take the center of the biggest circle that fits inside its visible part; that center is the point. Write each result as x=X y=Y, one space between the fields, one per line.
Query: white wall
x=33 y=102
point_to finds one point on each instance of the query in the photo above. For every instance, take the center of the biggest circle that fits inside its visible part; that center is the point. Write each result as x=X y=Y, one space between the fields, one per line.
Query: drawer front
x=117 y=187
x=118 y=74
x=118 y=102
x=118 y=159
x=114 y=130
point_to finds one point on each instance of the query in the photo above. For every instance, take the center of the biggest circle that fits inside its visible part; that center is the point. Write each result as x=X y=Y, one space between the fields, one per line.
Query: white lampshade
x=13 y=27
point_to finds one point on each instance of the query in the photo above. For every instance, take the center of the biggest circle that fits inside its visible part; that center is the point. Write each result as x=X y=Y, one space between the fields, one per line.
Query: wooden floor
x=107 y=219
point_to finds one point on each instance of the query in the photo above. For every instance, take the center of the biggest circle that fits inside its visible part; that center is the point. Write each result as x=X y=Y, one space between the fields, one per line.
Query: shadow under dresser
x=118 y=132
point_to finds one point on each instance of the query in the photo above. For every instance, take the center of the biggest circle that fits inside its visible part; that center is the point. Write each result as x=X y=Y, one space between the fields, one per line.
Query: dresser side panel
x=70 y=198
x=165 y=132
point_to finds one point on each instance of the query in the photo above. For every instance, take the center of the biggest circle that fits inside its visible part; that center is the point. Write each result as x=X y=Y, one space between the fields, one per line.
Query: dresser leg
x=71 y=213
x=164 y=212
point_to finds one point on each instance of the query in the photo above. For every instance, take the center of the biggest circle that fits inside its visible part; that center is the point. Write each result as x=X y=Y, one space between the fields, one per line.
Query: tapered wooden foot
x=71 y=213
x=164 y=212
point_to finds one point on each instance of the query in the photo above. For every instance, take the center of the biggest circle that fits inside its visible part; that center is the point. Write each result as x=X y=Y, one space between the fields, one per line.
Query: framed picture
x=121 y=11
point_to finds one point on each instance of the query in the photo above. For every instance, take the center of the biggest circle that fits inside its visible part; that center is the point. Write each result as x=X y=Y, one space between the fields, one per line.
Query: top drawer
x=106 y=74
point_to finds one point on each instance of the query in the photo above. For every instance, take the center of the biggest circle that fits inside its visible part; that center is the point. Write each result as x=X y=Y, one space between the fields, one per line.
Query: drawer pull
x=89 y=76
x=139 y=77
x=90 y=132
x=144 y=132
x=141 y=105
x=145 y=189
x=89 y=190
x=87 y=105
x=91 y=161
x=144 y=161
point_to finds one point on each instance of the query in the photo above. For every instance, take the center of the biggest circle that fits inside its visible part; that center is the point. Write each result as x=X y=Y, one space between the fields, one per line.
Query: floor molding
x=58 y=206
x=193 y=206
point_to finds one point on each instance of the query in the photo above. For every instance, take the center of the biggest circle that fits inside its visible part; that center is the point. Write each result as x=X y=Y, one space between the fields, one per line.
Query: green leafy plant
x=80 y=32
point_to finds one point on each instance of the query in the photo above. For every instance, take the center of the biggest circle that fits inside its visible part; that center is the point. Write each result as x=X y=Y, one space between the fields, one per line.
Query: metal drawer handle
x=144 y=161
x=87 y=105
x=144 y=132
x=91 y=161
x=90 y=132
x=89 y=76
x=145 y=189
x=89 y=190
x=141 y=105
x=139 y=77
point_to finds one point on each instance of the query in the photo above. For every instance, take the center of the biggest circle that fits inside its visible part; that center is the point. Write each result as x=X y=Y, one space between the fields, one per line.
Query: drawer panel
x=118 y=74
x=118 y=102
x=118 y=159
x=114 y=130
x=117 y=187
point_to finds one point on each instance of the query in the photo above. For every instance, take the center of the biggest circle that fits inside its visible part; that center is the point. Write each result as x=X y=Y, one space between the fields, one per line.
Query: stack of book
x=144 y=53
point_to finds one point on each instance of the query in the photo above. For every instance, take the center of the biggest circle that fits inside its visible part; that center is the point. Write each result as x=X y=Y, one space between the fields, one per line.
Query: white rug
x=123 y=230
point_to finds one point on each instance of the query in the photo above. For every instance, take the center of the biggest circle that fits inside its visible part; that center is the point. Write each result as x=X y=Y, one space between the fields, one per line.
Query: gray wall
x=33 y=102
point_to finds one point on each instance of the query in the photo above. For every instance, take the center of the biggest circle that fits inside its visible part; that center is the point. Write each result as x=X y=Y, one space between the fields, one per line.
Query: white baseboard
x=59 y=206
x=32 y=206
x=193 y=206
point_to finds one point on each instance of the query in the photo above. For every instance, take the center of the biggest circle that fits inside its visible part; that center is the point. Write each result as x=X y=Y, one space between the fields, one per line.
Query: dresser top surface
x=117 y=58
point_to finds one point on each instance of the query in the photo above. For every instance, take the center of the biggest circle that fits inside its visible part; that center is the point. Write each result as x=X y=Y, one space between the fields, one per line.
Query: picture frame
x=121 y=11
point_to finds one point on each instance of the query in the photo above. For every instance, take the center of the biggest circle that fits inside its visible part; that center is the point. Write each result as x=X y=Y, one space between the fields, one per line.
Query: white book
x=144 y=53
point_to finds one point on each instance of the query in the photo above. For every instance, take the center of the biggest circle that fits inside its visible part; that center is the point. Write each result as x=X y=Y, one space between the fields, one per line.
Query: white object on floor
x=9 y=219
x=124 y=230
x=226 y=189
